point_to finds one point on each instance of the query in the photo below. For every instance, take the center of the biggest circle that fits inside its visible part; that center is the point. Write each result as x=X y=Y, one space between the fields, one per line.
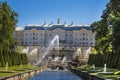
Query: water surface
x=56 y=75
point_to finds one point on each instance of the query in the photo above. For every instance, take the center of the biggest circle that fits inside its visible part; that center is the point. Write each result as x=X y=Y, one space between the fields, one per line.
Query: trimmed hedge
x=12 y=58
x=111 y=59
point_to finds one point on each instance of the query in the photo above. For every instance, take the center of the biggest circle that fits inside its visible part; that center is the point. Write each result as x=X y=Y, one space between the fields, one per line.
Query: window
x=83 y=34
x=33 y=38
x=83 y=38
x=21 y=42
x=91 y=43
x=33 y=33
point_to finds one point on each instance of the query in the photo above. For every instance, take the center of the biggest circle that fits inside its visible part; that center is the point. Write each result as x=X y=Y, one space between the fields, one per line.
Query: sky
x=40 y=11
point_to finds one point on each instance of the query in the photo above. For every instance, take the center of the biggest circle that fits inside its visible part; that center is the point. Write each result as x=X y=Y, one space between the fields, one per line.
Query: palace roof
x=55 y=26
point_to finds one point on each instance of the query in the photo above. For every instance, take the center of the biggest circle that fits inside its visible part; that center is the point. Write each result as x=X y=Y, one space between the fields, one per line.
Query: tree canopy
x=8 y=20
x=108 y=36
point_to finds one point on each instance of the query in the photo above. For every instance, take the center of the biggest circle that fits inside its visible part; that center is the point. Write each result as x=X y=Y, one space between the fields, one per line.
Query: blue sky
x=38 y=11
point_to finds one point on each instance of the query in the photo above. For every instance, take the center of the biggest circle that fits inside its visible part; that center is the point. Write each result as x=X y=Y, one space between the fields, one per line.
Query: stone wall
x=85 y=75
x=22 y=76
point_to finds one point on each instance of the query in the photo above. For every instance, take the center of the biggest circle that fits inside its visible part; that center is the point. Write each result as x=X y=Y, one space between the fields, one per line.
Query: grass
x=109 y=76
x=5 y=74
x=94 y=73
x=15 y=69
x=116 y=72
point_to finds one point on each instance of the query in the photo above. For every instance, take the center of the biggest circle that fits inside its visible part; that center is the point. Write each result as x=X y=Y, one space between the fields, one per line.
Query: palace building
x=71 y=36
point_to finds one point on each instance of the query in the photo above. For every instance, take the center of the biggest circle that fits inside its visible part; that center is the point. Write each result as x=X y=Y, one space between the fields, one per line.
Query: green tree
x=107 y=44
x=8 y=20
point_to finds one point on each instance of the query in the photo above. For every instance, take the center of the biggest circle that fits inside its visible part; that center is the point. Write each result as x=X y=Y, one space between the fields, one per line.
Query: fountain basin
x=106 y=73
x=92 y=71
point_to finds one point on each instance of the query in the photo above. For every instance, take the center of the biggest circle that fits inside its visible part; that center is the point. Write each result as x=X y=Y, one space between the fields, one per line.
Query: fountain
x=64 y=59
x=34 y=51
x=64 y=62
x=105 y=71
x=49 y=58
x=78 y=56
x=93 y=67
x=33 y=56
x=53 y=44
x=25 y=51
x=6 y=68
x=77 y=53
x=89 y=50
x=57 y=59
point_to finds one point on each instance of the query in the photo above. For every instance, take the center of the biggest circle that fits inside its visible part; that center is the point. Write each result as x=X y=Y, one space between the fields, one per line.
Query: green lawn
x=110 y=76
x=85 y=68
x=15 y=69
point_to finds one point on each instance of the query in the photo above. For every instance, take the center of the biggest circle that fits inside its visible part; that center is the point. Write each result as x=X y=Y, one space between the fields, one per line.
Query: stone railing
x=23 y=75
x=86 y=76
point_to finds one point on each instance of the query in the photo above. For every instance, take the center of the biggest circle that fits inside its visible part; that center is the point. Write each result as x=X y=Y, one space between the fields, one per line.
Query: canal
x=56 y=75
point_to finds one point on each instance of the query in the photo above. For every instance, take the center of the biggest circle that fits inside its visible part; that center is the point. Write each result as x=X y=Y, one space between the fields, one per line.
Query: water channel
x=56 y=75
